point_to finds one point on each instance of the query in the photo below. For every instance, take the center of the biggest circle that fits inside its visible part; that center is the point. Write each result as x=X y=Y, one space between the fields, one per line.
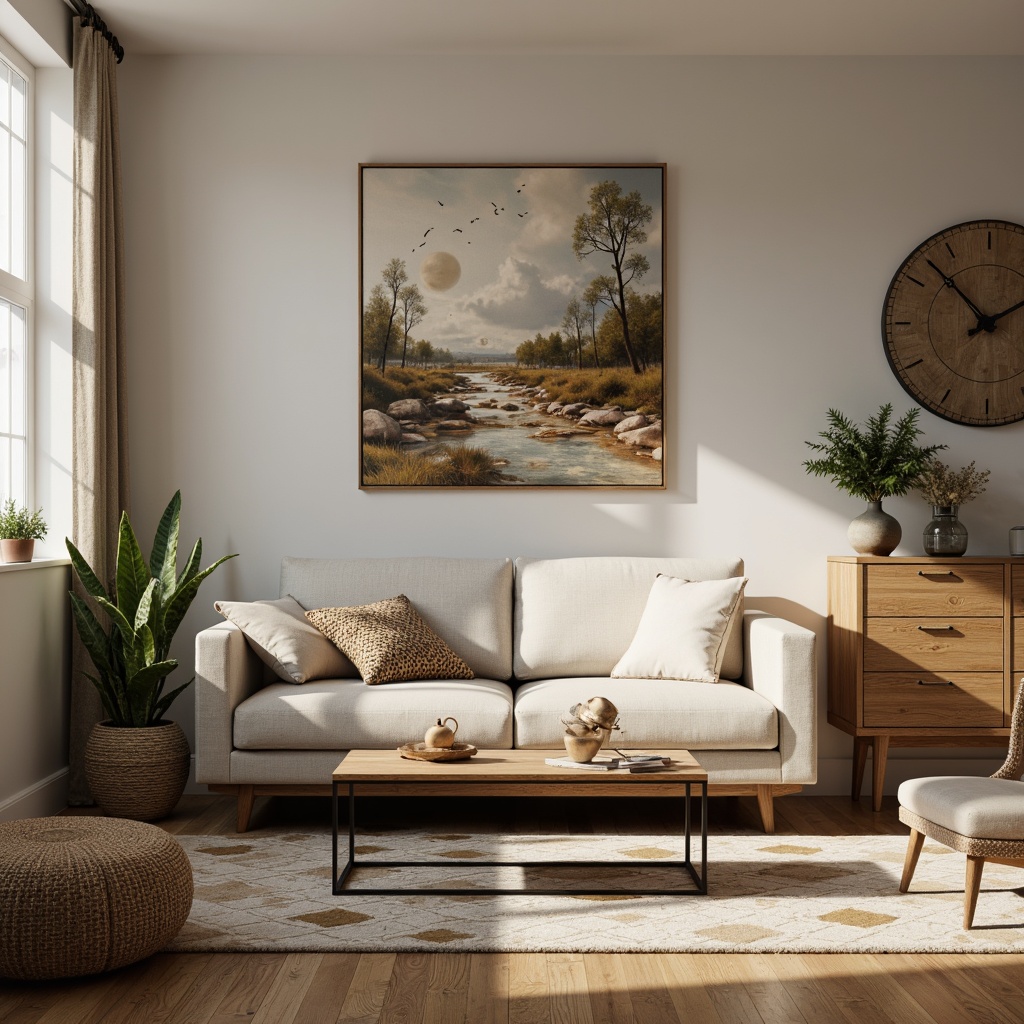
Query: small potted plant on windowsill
x=872 y=462
x=19 y=531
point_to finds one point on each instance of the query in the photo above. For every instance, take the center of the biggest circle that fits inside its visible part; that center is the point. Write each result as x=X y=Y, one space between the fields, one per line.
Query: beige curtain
x=100 y=445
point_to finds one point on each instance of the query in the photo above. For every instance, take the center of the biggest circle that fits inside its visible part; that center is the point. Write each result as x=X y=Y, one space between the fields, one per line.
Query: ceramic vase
x=20 y=550
x=874 y=532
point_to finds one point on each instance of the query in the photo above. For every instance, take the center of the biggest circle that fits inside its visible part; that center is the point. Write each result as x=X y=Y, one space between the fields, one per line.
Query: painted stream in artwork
x=586 y=459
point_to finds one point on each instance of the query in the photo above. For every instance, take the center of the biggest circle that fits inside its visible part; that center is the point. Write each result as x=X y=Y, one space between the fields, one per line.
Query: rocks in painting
x=453 y=425
x=574 y=410
x=551 y=432
x=634 y=422
x=656 y=455
x=380 y=428
x=414 y=409
x=510 y=407
x=539 y=406
x=445 y=406
x=601 y=418
x=489 y=404
x=555 y=407
x=413 y=438
x=644 y=437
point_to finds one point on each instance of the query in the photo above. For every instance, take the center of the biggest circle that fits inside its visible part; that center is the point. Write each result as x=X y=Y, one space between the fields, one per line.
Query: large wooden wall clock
x=953 y=323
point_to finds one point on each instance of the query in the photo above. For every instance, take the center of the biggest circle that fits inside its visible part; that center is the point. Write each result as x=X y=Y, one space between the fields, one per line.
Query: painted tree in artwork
x=573 y=324
x=414 y=309
x=615 y=225
x=395 y=276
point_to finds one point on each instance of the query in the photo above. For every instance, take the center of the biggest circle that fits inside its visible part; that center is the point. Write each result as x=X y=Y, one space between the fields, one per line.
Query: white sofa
x=540 y=635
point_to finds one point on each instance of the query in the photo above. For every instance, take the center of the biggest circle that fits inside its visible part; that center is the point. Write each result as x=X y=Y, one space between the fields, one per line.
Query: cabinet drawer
x=950 y=700
x=1017 y=651
x=1017 y=588
x=946 y=645
x=922 y=589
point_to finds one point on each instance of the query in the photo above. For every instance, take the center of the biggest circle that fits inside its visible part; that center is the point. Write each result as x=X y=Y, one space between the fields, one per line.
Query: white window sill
x=36 y=563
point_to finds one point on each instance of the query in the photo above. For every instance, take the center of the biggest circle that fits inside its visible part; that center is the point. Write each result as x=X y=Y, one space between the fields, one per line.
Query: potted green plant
x=19 y=531
x=873 y=461
x=137 y=762
x=946 y=489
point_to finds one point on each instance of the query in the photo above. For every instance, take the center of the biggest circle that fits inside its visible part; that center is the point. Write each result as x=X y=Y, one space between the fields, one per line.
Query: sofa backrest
x=577 y=616
x=467 y=601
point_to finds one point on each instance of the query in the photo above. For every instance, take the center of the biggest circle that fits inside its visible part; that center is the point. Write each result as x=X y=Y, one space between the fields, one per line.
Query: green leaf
x=83 y=570
x=125 y=628
x=108 y=698
x=178 y=605
x=143 y=686
x=148 y=644
x=192 y=565
x=92 y=635
x=168 y=698
x=132 y=575
x=142 y=613
x=163 y=560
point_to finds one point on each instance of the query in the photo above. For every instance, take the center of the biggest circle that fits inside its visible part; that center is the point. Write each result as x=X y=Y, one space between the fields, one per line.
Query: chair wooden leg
x=860 y=759
x=879 y=754
x=975 y=866
x=246 y=798
x=767 y=809
x=910 y=861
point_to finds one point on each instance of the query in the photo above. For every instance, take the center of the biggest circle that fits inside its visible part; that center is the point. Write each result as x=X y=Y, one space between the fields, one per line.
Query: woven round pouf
x=84 y=895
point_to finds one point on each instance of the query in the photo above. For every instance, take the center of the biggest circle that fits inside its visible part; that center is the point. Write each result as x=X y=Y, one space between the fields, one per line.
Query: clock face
x=953 y=323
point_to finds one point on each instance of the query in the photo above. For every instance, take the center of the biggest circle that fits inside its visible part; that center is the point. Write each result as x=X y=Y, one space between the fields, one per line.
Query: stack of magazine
x=632 y=763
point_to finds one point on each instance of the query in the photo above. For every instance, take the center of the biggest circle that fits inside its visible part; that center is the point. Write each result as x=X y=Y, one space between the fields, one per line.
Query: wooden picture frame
x=511 y=325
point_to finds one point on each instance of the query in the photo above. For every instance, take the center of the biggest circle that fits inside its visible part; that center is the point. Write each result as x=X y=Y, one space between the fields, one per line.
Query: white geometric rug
x=802 y=894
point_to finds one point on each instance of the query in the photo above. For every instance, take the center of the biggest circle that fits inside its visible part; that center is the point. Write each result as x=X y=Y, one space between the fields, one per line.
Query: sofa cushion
x=577 y=616
x=342 y=714
x=280 y=634
x=466 y=601
x=683 y=630
x=653 y=713
x=388 y=642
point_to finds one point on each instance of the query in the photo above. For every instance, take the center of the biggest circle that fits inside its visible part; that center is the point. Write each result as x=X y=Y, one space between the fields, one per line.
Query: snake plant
x=145 y=606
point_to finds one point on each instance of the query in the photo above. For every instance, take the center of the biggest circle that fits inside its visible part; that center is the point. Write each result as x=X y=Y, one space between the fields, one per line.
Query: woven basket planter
x=79 y=895
x=137 y=773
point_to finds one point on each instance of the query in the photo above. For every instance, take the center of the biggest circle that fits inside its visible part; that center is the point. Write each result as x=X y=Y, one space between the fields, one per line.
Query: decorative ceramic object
x=583 y=748
x=19 y=550
x=421 y=752
x=945 y=534
x=137 y=773
x=1017 y=540
x=874 y=532
x=440 y=735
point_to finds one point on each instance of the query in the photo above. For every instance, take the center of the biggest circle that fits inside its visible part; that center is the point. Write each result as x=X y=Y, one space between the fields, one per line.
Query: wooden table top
x=503 y=766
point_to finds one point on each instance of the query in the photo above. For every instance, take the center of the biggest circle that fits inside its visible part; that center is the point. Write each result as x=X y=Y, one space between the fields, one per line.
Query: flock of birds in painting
x=498 y=211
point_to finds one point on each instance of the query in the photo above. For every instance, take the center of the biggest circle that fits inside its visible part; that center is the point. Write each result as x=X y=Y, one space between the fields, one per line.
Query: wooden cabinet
x=922 y=652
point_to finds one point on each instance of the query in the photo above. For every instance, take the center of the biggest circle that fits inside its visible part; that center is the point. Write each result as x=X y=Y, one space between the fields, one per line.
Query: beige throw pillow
x=279 y=633
x=683 y=630
x=388 y=642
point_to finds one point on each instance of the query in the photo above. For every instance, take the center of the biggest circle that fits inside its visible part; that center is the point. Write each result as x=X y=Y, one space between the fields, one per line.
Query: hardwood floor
x=536 y=988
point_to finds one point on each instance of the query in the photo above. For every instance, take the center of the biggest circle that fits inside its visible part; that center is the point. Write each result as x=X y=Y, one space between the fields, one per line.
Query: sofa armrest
x=227 y=671
x=779 y=664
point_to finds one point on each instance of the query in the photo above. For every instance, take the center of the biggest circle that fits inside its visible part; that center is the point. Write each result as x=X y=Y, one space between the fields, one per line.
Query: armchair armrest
x=227 y=671
x=779 y=664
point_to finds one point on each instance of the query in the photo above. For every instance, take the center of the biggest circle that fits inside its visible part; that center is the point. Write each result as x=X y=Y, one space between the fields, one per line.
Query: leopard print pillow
x=388 y=642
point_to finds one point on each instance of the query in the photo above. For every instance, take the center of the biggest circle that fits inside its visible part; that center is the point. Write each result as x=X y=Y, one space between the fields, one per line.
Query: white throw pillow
x=683 y=630
x=284 y=639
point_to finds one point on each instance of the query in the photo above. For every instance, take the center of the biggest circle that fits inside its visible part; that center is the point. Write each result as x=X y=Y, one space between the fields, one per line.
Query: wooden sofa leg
x=914 y=845
x=246 y=798
x=975 y=866
x=767 y=809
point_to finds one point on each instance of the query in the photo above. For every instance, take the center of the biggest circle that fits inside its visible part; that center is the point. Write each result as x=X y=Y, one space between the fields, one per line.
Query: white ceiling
x=713 y=27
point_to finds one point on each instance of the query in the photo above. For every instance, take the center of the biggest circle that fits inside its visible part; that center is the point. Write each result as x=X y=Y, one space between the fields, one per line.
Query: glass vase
x=945 y=535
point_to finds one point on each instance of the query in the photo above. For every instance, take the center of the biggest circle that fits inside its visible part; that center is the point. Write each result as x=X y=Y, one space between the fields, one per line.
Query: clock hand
x=992 y=319
x=950 y=283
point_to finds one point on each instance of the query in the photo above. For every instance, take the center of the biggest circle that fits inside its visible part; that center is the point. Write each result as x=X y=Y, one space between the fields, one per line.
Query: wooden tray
x=421 y=752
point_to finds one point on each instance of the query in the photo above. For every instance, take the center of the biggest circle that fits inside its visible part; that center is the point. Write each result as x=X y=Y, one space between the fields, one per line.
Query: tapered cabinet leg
x=767 y=808
x=879 y=754
x=860 y=759
x=975 y=866
x=246 y=798
x=910 y=861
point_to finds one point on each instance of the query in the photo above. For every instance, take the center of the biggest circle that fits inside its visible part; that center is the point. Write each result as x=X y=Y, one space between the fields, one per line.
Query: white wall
x=795 y=189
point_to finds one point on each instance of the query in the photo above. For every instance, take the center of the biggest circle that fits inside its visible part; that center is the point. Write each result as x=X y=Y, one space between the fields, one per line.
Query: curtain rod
x=89 y=17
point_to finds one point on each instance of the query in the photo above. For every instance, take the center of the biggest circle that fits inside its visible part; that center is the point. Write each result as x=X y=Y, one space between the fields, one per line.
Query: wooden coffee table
x=493 y=773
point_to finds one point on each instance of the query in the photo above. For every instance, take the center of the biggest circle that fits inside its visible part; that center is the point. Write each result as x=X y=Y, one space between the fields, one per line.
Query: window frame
x=13 y=289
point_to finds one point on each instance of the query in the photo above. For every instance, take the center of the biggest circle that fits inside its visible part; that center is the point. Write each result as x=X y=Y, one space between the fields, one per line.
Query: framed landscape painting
x=512 y=325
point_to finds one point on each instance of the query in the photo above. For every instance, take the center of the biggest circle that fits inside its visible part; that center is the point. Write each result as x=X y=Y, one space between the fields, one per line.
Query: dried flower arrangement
x=941 y=485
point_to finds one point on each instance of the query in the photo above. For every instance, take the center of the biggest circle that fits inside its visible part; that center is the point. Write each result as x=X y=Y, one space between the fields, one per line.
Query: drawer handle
x=935 y=682
x=937 y=629
x=926 y=575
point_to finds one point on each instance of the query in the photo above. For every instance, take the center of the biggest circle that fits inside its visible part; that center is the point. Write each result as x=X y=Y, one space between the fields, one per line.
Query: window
x=15 y=282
